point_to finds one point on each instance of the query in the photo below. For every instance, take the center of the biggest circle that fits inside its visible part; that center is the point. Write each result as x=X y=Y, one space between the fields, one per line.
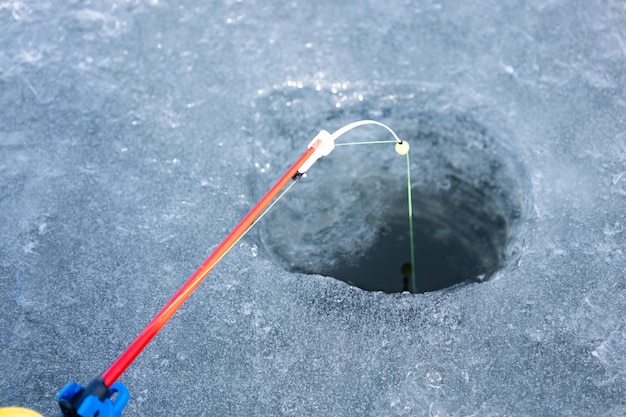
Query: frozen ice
x=135 y=134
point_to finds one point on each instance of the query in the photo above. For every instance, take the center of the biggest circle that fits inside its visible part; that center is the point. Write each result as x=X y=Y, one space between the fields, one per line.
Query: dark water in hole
x=440 y=261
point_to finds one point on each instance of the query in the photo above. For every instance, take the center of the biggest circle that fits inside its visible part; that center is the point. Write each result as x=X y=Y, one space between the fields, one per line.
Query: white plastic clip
x=324 y=143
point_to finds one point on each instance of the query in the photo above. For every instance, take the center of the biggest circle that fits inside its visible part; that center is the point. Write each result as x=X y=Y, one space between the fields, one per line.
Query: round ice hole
x=348 y=219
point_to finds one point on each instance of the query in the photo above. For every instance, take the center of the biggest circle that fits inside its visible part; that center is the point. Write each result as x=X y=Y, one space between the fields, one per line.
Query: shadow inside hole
x=442 y=260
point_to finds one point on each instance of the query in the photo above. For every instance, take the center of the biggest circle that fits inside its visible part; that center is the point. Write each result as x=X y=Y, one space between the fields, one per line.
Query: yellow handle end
x=18 y=412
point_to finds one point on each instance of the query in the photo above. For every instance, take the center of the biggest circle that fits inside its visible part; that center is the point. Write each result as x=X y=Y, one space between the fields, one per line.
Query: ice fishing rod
x=107 y=397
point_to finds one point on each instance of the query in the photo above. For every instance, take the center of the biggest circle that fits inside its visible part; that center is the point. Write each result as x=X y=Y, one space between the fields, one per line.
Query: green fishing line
x=411 y=238
x=402 y=148
x=373 y=142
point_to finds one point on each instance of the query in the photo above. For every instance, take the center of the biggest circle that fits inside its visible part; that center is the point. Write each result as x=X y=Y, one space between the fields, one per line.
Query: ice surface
x=133 y=136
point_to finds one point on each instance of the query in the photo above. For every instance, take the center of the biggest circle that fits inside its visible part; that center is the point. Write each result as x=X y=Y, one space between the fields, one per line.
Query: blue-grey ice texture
x=133 y=137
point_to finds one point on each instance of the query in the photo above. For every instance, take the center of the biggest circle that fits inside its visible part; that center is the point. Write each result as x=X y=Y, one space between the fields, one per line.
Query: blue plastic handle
x=121 y=399
x=94 y=400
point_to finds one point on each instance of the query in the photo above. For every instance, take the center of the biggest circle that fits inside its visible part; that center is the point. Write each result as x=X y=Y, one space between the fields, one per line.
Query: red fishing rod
x=96 y=398
x=119 y=366
x=106 y=396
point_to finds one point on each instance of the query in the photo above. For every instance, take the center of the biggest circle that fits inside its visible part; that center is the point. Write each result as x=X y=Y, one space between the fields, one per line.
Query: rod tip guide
x=402 y=148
